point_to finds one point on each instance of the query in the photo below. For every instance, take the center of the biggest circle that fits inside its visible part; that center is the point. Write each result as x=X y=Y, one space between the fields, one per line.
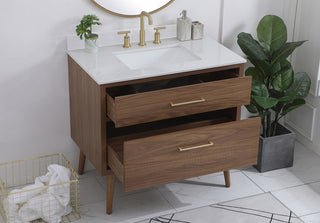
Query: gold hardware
x=157 y=35
x=142 y=32
x=129 y=16
x=126 y=43
x=196 y=147
x=187 y=102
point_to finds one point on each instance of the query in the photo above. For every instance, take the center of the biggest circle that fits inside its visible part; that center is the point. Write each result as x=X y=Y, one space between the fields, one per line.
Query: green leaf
x=275 y=94
x=265 y=102
x=85 y=26
x=295 y=104
x=301 y=85
x=259 y=89
x=285 y=51
x=276 y=68
x=279 y=95
x=272 y=32
x=278 y=107
x=251 y=108
x=262 y=65
x=262 y=115
x=287 y=98
x=281 y=66
x=255 y=73
x=283 y=79
x=251 y=47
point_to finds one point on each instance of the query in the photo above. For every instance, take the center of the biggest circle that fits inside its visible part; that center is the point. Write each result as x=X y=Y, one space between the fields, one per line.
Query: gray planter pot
x=276 y=152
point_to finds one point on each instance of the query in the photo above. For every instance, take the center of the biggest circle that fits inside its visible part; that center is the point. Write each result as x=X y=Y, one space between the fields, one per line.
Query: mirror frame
x=130 y=16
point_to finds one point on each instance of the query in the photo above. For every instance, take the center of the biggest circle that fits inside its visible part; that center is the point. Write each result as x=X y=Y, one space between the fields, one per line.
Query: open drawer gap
x=171 y=83
x=173 y=124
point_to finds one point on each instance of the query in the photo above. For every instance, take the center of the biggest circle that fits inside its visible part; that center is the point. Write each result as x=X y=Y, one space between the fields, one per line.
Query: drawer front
x=179 y=101
x=175 y=156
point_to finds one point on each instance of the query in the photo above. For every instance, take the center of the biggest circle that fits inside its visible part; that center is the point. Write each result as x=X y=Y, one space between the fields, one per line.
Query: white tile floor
x=254 y=209
x=296 y=189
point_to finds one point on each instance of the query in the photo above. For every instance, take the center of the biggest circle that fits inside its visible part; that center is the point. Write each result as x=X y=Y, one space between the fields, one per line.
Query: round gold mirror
x=131 y=8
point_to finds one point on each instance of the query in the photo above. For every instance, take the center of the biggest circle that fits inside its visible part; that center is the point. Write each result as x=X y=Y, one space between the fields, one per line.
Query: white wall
x=306 y=120
x=308 y=56
x=244 y=16
x=34 y=100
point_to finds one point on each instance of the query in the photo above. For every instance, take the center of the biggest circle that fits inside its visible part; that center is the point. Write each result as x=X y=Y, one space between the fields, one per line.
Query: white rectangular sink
x=155 y=57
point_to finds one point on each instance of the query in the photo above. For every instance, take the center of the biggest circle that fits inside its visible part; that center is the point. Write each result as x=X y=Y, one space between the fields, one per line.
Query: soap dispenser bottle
x=184 y=27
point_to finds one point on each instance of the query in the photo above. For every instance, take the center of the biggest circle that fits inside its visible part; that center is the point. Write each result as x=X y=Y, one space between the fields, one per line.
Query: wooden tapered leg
x=82 y=161
x=110 y=190
x=227 y=178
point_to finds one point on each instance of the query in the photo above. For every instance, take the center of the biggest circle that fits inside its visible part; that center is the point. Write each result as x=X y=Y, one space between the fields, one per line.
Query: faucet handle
x=126 y=43
x=159 y=27
x=157 y=34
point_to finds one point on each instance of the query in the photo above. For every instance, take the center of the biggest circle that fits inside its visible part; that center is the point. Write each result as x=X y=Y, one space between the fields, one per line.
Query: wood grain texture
x=227 y=178
x=110 y=192
x=112 y=114
x=155 y=160
x=150 y=158
x=115 y=145
x=115 y=161
x=82 y=160
x=155 y=105
x=87 y=116
x=241 y=70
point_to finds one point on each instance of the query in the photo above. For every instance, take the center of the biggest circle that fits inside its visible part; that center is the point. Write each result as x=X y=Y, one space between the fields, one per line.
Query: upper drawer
x=148 y=161
x=135 y=108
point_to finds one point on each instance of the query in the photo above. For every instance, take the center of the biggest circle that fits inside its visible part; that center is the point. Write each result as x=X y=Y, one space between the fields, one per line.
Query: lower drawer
x=148 y=161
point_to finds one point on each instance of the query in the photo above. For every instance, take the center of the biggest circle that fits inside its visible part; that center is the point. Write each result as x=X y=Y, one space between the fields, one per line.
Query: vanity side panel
x=237 y=111
x=86 y=117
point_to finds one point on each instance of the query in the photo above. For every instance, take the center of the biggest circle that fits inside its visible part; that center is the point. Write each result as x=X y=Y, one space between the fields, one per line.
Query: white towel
x=44 y=206
x=49 y=204
x=18 y=196
x=59 y=174
x=11 y=210
x=21 y=196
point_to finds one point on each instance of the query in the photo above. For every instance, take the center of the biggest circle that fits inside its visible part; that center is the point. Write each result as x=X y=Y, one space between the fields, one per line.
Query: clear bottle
x=184 y=27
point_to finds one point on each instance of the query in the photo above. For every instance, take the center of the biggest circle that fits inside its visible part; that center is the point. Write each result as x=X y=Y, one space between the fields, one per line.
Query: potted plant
x=276 y=90
x=84 y=29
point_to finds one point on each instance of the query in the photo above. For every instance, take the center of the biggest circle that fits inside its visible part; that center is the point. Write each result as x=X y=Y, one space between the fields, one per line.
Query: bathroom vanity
x=161 y=113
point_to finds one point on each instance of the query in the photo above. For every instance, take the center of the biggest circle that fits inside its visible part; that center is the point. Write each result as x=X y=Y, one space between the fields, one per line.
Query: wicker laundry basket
x=17 y=175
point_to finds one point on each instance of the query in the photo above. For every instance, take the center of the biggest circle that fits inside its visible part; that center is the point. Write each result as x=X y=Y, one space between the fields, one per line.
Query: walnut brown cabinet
x=161 y=129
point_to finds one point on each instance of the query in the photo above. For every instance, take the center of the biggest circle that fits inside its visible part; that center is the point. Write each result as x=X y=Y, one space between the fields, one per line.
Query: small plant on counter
x=275 y=87
x=85 y=27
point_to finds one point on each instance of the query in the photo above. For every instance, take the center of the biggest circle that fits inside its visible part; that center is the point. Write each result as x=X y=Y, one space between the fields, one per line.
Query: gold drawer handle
x=187 y=102
x=195 y=147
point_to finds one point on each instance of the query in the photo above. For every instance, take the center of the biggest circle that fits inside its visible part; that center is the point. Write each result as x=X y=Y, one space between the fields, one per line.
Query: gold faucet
x=142 y=32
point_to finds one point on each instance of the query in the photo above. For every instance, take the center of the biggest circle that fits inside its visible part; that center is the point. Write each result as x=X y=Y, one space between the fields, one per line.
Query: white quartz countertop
x=105 y=68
